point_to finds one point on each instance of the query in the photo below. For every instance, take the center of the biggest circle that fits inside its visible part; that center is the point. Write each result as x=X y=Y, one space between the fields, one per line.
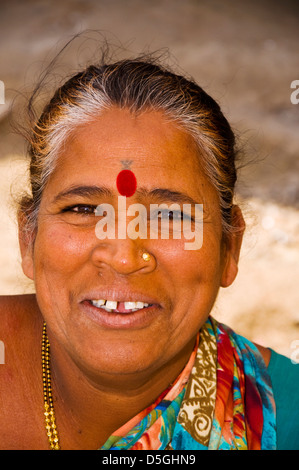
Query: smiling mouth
x=113 y=306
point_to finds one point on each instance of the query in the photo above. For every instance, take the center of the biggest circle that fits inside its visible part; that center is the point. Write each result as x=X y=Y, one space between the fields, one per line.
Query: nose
x=123 y=256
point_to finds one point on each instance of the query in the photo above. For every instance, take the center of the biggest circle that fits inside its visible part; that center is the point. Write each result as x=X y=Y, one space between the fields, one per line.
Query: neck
x=94 y=407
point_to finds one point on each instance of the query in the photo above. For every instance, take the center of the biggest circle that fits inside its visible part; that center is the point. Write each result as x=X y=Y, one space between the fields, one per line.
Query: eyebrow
x=165 y=194
x=158 y=194
x=84 y=191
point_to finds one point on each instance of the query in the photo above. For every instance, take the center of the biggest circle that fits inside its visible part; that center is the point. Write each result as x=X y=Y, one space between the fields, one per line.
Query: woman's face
x=72 y=268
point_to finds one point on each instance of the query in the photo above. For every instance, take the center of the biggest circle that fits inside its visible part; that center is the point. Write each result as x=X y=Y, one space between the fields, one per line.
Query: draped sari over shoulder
x=222 y=400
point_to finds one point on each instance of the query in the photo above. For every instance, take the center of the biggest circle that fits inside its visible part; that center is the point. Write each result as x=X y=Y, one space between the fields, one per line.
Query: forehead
x=117 y=132
x=161 y=152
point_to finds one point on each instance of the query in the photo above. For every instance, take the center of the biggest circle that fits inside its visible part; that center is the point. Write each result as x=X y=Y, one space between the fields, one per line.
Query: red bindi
x=126 y=183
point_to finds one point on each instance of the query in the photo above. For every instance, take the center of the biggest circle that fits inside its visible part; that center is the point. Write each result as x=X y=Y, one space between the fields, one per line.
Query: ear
x=26 y=242
x=232 y=248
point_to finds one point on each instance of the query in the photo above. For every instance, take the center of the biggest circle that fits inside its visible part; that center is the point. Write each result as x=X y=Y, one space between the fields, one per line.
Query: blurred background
x=245 y=54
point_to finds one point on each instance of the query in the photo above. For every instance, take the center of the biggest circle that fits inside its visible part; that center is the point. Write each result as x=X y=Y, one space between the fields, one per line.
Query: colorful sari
x=222 y=400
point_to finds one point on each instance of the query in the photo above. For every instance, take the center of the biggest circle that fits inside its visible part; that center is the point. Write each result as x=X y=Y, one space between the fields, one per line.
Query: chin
x=109 y=354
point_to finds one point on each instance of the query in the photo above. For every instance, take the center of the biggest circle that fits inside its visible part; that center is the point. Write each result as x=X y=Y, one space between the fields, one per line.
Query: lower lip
x=132 y=320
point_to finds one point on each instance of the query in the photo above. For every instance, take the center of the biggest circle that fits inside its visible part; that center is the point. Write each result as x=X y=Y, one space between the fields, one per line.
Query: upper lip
x=119 y=296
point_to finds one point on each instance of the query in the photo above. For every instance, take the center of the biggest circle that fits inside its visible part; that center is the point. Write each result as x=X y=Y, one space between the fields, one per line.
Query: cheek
x=192 y=278
x=191 y=267
x=58 y=250
x=59 y=254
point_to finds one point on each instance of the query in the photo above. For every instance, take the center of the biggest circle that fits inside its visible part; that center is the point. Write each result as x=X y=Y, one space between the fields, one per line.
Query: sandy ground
x=246 y=57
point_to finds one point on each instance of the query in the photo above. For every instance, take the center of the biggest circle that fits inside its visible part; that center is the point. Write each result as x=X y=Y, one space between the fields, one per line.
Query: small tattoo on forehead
x=126 y=164
x=126 y=180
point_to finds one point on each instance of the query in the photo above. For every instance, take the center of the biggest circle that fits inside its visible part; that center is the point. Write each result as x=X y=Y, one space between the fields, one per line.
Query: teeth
x=135 y=305
x=98 y=303
x=130 y=305
x=110 y=305
x=140 y=305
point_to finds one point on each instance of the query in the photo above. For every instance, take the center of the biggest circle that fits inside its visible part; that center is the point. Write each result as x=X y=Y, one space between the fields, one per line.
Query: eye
x=81 y=209
x=173 y=215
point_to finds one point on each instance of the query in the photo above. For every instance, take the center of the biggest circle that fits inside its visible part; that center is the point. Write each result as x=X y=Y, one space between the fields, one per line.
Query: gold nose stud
x=146 y=256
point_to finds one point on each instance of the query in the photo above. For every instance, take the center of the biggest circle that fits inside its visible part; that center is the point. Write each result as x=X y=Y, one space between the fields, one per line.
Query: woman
x=130 y=357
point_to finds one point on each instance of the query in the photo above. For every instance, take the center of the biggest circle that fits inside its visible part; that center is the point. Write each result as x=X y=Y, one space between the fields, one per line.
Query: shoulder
x=20 y=337
x=284 y=374
x=19 y=319
x=18 y=315
x=14 y=309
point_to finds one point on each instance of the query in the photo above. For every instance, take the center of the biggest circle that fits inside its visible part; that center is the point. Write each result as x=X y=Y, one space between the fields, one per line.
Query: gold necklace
x=50 y=422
